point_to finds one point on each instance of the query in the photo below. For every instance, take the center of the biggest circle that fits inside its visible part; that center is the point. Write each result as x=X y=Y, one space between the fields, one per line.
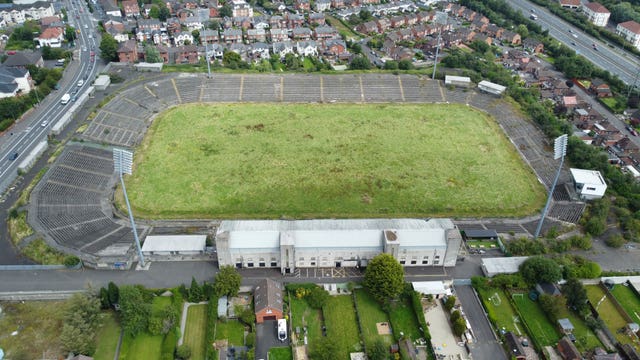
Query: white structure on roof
x=288 y=244
x=491 y=88
x=501 y=265
x=463 y=81
x=589 y=184
x=431 y=288
x=160 y=247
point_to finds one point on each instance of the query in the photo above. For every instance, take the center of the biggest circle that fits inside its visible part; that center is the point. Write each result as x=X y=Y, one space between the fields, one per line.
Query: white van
x=80 y=82
x=282 y=329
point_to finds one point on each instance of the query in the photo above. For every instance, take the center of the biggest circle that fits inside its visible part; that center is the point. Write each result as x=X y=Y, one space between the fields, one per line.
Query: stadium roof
x=334 y=224
x=587 y=176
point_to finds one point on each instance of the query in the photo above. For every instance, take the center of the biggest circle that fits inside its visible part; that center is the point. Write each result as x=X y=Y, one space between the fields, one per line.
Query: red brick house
x=600 y=88
x=128 y=51
x=267 y=299
x=130 y=8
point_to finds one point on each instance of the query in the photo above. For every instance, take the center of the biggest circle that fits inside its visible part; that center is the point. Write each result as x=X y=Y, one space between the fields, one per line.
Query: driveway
x=485 y=346
x=267 y=338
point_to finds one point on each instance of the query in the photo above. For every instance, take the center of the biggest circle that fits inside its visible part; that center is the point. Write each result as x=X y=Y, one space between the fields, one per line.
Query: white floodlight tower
x=122 y=162
x=206 y=55
x=559 y=151
x=441 y=19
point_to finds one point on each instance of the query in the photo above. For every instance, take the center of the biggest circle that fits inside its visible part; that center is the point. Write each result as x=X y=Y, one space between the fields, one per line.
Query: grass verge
x=370 y=313
x=195 y=331
x=303 y=315
x=107 y=337
x=342 y=326
x=628 y=300
x=339 y=160
x=232 y=330
x=500 y=312
x=40 y=252
x=280 y=353
x=18 y=227
x=541 y=328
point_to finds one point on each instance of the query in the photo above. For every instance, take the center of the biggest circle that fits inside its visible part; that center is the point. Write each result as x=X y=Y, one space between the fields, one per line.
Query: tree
x=538 y=269
x=378 y=351
x=69 y=33
x=164 y=13
x=114 y=293
x=405 y=64
x=104 y=298
x=522 y=30
x=195 y=291
x=154 y=12
x=391 y=65
x=450 y=303
x=151 y=54
x=455 y=316
x=325 y=349
x=459 y=327
x=226 y=11
x=183 y=352
x=134 y=311
x=81 y=319
x=384 y=277
x=576 y=295
x=552 y=305
x=231 y=59
x=317 y=297
x=615 y=241
x=227 y=281
x=196 y=36
x=360 y=63
x=109 y=47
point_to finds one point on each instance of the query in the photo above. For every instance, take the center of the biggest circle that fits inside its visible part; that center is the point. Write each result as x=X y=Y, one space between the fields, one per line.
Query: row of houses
x=15 y=13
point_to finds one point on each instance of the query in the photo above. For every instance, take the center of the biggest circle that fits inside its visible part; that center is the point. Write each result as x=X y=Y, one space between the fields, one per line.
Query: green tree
x=196 y=36
x=154 y=12
x=360 y=62
x=226 y=11
x=104 y=298
x=522 y=30
x=405 y=64
x=292 y=62
x=576 y=295
x=391 y=65
x=81 y=320
x=114 y=293
x=378 y=351
x=151 y=54
x=109 y=47
x=134 y=311
x=231 y=59
x=538 y=269
x=384 y=277
x=227 y=281
x=69 y=33
x=455 y=315
x=195 y=291
x=450 y=303
x=459 y=327
x=164 y=13
x=552 y=305
x=183 y=352
x=324 y=349
x=317 y=297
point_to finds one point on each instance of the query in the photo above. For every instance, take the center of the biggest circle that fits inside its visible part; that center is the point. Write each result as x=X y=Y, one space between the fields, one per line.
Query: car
x=632 y=130
x=574 y=35
x=80 y=82
x=27 y=130
x=570 y=31
x=13 y=156
x=84 y=48
x=44 y=123
x=573 y=43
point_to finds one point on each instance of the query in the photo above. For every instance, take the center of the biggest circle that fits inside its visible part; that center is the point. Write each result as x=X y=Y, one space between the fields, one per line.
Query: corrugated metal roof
x=502 y=265
x=247 y=239
x=174 y=243
x=333 y=224
x=422 y=238
x=338 y=238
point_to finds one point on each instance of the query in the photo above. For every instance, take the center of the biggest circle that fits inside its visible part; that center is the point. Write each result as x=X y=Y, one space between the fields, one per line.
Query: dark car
x=13 y=156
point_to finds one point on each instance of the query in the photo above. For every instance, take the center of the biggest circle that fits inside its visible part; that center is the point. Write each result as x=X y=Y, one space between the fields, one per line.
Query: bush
x=581 y=242
x=71 y=260
x=450 y=302
x=168 y=346
x=615 y=241
x=455 y=316
x=317 y=297
x=459 y=327
x=183 y=352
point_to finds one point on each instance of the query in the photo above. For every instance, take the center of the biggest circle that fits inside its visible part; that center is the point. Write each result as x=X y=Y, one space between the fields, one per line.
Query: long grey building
x=288 y=244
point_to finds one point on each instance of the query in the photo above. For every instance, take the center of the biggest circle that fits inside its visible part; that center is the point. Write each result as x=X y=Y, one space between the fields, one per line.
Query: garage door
x=273 y=317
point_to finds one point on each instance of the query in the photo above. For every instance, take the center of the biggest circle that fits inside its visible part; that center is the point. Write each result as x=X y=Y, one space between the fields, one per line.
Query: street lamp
x=559 y=151
x=441 y=19
x=122 y=162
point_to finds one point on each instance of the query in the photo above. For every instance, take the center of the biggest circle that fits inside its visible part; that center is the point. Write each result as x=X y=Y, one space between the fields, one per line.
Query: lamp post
x=122 y=161
x=441 y=19
x=559 y=151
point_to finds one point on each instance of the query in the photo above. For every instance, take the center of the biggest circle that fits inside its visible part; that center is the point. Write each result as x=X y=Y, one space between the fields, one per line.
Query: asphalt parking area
x=267 y=338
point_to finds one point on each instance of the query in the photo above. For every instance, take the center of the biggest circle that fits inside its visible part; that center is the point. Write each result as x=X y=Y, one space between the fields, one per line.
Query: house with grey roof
x=267 y=299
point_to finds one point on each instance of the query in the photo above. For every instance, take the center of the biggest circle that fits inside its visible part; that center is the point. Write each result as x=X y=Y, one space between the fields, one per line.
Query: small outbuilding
x=589 y=184
x=491 y=88
x=565 y=326
x=501 y=265
x=102 y=82
x=267 y=298
x=461 y=81
x=173 y=247
x=489 y=234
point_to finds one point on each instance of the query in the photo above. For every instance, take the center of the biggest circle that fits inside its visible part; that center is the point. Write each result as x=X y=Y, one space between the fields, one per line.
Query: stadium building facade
x=291 y=244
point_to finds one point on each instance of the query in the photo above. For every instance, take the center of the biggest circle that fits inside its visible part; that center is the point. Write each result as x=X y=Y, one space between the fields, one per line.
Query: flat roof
x=587 y=176
x=334 y=224
x=489 y=233
x=174 y=243
x=429 y=287
x=449 y=78
x=502 y=265
x=490 y=85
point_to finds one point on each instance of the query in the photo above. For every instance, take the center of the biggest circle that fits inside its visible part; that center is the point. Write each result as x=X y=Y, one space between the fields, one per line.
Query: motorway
x=607 y=56
x=34 y=127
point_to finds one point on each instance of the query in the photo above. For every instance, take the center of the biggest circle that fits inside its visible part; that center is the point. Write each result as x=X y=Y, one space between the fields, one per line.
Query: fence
x=31 y=267
x=37 y=295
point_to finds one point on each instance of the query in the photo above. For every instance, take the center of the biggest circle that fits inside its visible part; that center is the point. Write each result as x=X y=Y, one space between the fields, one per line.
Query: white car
x=80 y=83
x=44 y=123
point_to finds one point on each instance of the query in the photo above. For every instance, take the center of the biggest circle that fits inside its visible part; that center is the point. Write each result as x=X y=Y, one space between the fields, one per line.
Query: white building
x=288 y=244
x=241 y=8
x=463 y=81
x=630 y=30
x=596 y=13
x=170 y=247
x=491 y=88
x=501 y=265
x=589 y=184
x=18 y=13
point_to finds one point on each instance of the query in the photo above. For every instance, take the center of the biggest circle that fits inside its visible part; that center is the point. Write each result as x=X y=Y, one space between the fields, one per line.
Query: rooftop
x=587 y=176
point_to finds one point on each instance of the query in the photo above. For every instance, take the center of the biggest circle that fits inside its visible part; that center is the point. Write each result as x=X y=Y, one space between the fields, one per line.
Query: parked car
x=632 y=130
x=13 y=156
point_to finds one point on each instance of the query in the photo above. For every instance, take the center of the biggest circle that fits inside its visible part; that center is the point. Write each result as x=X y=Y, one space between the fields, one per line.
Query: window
x=250 y=264
x=402 y=262
x=313 y=263
x=301 y=259
x=436 y=262
x=591 y=188
x=261 y=264
x=437 y=257
x=413 y=262
x=274 y=264
x=426 y=257
x=425 y=262
x=313 y=258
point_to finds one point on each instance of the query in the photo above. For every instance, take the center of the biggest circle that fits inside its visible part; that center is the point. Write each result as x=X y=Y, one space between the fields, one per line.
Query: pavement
x=267 y=338
x=442 y=339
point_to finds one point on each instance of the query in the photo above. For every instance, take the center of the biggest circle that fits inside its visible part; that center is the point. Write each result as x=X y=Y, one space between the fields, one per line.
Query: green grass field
x=38 y=324
x=194 y=333
x=403 y=320
x=501 y=315
x=628 y=300
x=371 y=314
x=107 y=337
x=231 y=330
x=608 y=312
x=338 y=160
x=541 y=328
x=302 y=315
x=585 y=338
x=280 y=353
x=143 y=347
x=342 y=326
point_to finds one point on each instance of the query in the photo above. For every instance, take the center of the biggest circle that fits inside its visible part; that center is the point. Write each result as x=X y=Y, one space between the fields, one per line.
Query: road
x=608 y=57
x=35 y=126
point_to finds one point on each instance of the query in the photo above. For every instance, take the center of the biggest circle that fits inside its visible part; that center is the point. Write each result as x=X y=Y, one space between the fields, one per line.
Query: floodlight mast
x=441 y=19
x=121 y=167
x=559 y=151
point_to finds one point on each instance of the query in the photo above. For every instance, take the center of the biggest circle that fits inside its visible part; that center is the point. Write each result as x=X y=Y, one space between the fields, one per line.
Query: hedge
x=417 y=308
x=169 y=345
x=210 y=332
